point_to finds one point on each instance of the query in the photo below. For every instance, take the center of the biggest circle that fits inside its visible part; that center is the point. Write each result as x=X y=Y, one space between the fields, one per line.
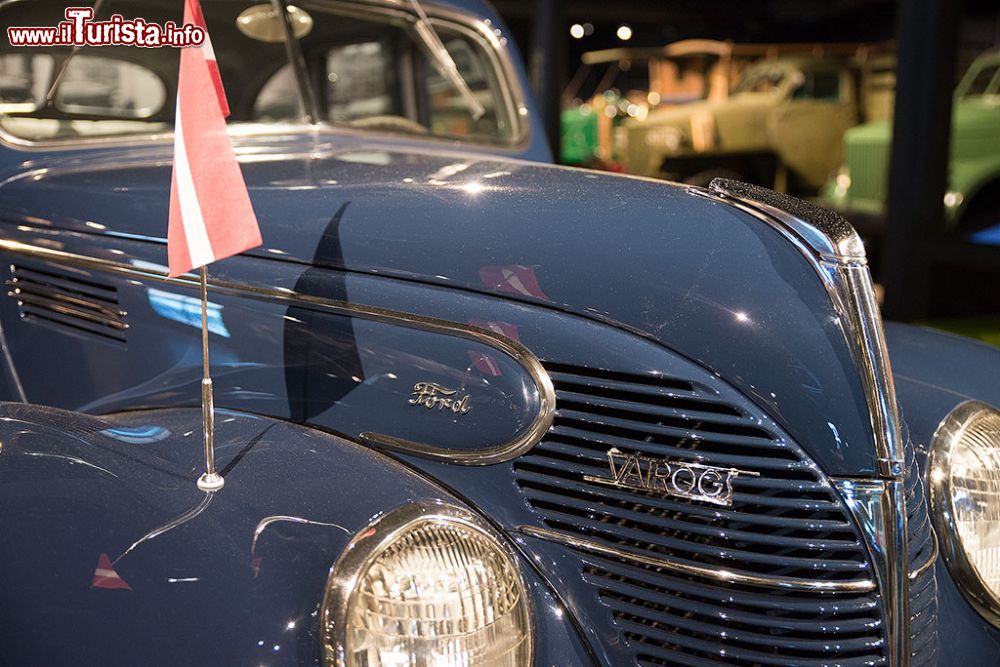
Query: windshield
x=370 y=67
x=982 y=80
x=760 y=81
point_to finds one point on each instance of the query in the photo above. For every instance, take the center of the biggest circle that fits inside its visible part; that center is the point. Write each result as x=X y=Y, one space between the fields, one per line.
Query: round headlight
x=964 y=470
x=426 y=586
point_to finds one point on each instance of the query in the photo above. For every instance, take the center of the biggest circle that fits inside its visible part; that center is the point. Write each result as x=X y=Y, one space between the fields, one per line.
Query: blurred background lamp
x=624 y=33
x=576 y=31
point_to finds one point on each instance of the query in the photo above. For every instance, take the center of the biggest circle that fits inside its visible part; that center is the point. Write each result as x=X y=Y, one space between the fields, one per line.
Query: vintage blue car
x=473 y=409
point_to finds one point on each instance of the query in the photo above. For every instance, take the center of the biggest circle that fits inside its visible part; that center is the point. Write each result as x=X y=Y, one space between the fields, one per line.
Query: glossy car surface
x=426 y=326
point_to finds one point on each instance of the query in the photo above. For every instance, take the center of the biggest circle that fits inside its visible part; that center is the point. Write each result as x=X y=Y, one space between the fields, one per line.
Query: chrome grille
x=67 y=301
x=786 y=524
x=923 y=589
x=869 y=165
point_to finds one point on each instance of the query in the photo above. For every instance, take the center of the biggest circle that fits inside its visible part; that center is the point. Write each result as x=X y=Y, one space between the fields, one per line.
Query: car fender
x=111 y=552
x=934 y=372
x=972 y=178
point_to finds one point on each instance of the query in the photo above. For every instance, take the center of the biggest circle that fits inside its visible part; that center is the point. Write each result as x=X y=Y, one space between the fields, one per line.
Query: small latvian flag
x=106 y=577
x=210 y=213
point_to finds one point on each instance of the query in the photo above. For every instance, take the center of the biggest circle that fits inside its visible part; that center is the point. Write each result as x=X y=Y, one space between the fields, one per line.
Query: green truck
x=782 y=126
x=972 y=202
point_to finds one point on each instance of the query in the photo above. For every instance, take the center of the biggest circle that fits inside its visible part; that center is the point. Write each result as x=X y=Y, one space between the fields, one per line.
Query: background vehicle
x=782 y=126
x=674 y=439
x=972 y=202
x=377 y=76
x=628 y=83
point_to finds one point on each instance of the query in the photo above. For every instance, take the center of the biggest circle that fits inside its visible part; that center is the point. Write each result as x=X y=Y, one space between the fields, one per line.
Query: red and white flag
x=198 y=19
x=210 y=213
x=106 y=577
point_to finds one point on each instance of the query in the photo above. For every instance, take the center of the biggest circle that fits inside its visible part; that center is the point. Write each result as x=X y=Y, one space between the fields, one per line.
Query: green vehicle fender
x=971 y=179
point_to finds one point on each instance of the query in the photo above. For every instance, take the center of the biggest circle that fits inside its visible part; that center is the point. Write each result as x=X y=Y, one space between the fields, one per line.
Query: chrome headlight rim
x=368 y=543
x=963 y=571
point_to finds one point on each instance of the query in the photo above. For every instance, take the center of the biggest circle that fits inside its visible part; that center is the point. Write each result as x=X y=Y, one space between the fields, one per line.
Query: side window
x=823 y=86
x=279 y=98
x=359 y=82
x=981 y=82
x=106 y=87
x=97 y=95
x=449 y=115
x=24 y=80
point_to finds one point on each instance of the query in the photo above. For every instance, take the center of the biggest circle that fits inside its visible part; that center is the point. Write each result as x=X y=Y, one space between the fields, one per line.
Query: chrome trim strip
x=931 y=560
x=870 y=503
x=836 y=253
x=543 y=383
x=838 y=256
x=966 y=577
x=53 y=303
x=499 y=54
x=26 y=300
x=13 y=375
x=368 y=542
x=715 y=574
x=23 y=289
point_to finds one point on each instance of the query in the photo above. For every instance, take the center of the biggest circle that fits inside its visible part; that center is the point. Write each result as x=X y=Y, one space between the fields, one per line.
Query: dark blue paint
x=582 y=268
x=701 y=278
x=935 y=372
x=203 y=592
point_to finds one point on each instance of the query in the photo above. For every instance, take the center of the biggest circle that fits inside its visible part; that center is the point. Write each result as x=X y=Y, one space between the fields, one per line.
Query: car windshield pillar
x=309 y=104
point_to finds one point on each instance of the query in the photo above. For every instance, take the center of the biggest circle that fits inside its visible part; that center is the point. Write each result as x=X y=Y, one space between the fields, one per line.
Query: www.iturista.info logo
x=79 y=29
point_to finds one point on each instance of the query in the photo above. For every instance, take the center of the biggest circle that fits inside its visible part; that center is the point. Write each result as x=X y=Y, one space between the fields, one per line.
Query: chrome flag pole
x=211 y=216
x=210 y=480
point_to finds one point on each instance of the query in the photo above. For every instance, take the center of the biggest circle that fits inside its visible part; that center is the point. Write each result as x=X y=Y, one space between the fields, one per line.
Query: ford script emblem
x=434 y=396
x=671 y=477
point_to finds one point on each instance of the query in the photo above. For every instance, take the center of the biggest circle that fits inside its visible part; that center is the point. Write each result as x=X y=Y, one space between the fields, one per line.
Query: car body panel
x=435 y=230
x=384 y=265
x=235 y=577
x=935 y=372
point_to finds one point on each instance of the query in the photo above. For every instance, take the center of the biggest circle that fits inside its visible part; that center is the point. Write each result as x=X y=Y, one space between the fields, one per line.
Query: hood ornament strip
x=520 y=444
x=835 y=251
x=862 y=585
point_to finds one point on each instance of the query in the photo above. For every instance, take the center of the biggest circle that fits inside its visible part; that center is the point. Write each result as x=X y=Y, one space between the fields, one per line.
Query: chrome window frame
x=521 y=443
x=480 y=29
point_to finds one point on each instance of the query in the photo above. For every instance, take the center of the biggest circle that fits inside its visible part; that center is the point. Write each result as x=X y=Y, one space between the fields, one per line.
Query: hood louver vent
x=52 y=297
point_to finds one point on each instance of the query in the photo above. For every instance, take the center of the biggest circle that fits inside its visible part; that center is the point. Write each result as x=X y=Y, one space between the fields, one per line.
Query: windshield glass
x=368 y=66
x=984 y=80
x=760 y=81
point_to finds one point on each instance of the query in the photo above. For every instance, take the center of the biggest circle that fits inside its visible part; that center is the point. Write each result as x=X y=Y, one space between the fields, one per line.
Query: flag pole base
x=211 y=482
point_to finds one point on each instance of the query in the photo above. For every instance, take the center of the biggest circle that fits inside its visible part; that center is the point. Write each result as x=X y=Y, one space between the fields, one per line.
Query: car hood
x=698 y=276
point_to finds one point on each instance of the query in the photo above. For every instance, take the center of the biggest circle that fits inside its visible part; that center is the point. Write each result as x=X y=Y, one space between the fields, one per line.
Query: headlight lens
x=427 y=586
x=965 y=499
